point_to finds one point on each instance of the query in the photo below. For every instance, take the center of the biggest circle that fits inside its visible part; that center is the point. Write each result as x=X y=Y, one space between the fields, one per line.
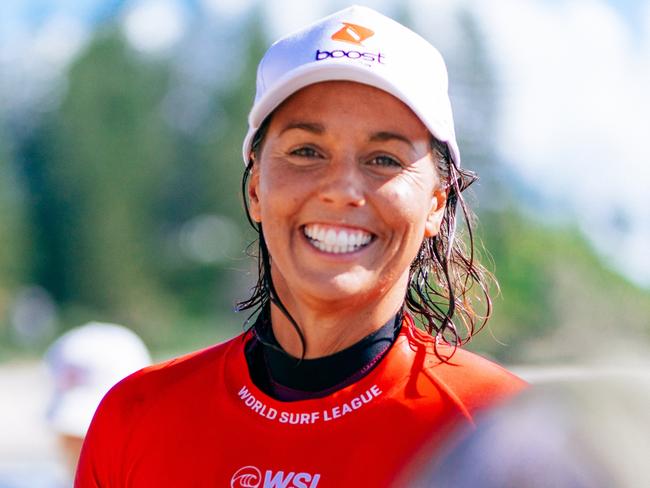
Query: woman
x=352 y=180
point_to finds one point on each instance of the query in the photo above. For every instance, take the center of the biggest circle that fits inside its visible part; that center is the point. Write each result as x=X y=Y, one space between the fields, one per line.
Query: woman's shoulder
x=182 y=374
x=466 y=377
x=143 y=402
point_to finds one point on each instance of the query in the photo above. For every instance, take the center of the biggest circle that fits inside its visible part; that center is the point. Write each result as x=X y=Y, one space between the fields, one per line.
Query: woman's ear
x=253 y=195
x=436 y=212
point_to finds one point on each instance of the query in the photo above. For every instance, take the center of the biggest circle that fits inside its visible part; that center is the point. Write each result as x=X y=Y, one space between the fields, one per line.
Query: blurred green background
x=120 y=195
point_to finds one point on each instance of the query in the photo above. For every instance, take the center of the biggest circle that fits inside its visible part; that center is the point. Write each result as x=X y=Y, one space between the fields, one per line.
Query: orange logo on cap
x=352 y=33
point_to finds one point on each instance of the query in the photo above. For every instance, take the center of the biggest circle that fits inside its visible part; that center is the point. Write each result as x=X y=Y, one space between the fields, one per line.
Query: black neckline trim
x=287 y=378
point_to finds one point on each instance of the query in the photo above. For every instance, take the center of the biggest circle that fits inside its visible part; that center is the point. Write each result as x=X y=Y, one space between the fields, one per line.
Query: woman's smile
x=334 y=239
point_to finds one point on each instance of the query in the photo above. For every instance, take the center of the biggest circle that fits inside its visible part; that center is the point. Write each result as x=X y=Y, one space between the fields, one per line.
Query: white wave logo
x=246 y=477
x=251 y=477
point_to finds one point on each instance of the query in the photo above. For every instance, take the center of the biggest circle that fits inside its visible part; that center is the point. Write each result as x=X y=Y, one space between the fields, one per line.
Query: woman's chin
x=341 y=290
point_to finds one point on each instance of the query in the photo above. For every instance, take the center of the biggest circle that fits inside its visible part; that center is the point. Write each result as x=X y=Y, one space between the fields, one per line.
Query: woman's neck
x=330 y=328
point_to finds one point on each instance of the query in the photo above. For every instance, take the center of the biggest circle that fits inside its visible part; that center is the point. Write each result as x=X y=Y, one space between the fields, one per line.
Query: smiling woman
x=352 y=181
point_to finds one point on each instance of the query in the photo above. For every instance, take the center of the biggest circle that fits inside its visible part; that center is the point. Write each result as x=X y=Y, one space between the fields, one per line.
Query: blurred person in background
x=84 y=364
x=590 y=433
x=353 y=183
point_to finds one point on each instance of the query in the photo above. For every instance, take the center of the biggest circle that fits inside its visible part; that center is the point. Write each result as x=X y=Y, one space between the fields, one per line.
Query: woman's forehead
x=340 y=91
x=335 y=102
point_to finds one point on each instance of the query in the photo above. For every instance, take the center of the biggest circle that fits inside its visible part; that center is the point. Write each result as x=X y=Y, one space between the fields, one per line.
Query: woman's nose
x=343 y=184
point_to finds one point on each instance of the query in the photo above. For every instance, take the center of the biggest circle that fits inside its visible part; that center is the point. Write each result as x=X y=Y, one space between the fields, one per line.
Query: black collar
x=287 y=378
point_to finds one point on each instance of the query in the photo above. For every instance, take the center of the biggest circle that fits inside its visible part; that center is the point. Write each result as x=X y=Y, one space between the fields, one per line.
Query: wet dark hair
x=445 y=278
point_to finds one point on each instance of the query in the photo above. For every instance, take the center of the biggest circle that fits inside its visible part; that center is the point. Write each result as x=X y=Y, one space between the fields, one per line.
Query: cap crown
x=362 y=45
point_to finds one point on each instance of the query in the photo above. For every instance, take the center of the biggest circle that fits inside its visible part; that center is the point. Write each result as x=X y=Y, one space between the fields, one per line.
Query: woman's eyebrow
x=312 y=127
x=387 y=136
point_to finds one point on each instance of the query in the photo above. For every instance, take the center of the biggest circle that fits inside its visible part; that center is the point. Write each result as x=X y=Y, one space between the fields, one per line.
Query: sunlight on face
x=346 y=190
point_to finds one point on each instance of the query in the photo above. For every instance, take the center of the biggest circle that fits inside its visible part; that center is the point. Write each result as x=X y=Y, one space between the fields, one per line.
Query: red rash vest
x=199 y=421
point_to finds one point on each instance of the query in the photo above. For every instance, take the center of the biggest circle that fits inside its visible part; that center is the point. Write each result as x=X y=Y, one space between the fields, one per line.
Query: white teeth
x=336 y=241
x=330 y=237
x=320 y=233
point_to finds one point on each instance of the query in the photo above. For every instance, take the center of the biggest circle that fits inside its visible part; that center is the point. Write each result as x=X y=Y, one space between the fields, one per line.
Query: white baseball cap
x=85 y=363
x=357 y=44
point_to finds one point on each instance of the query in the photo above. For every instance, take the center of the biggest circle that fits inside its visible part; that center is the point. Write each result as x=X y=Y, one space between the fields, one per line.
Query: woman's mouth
x=336 y=240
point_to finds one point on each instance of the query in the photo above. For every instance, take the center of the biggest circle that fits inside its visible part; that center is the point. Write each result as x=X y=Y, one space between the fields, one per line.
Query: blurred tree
x=473 y=88
x=47 y=213
x=14 y=242
x=221 y=151
x=521 y=253
x=558 y=301
x=95 y=167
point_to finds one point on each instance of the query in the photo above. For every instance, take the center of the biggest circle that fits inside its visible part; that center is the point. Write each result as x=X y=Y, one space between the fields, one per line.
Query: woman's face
x=345 y=188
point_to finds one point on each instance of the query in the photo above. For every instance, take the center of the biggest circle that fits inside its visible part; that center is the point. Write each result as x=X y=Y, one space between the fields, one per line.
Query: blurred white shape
x=227 y=8
x=210 y=239
x=386 y=7
x=538 y=375
x=632 y=254
x=85 y=363
x=436 y=21
x=290 y=15
x=190 y=108
x=60 y=39
x=155 y=25
x=32 y=61
x=645 y=17
x=28 y=448
x=33 y=315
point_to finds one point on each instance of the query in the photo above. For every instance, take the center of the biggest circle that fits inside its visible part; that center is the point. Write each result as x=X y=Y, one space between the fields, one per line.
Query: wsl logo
x=246 y=477
x=251 y=477
x=352 y=34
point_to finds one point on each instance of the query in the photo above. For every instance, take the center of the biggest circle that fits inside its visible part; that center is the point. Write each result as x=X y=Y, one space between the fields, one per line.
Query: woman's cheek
x=400 y=204
x=280 y=189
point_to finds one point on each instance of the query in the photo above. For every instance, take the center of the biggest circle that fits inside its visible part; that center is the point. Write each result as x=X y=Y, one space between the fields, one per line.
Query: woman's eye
x=304 y=152
x=385 y=161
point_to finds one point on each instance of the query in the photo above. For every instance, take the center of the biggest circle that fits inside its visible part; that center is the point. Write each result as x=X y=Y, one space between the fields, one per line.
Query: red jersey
x=199 y=421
